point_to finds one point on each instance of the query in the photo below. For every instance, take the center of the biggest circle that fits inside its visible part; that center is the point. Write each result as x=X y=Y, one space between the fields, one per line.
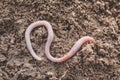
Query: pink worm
x=73 y=50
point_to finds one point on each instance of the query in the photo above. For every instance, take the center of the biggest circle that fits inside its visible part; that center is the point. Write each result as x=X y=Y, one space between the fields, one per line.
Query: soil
x=70 y=20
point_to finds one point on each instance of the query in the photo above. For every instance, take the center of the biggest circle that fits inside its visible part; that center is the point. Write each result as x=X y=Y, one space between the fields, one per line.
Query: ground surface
x=71 y=20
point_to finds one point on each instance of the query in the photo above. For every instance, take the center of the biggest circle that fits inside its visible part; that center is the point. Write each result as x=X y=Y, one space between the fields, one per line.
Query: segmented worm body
x=72 y=51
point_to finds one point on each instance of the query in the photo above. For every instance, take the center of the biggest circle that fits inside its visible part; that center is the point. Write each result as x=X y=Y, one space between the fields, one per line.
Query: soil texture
x=70 y=20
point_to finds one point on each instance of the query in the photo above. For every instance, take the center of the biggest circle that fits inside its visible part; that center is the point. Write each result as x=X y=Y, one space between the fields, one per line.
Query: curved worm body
x=73 y=50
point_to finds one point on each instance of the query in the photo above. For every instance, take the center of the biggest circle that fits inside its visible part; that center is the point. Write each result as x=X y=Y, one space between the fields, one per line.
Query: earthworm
x=72 y=51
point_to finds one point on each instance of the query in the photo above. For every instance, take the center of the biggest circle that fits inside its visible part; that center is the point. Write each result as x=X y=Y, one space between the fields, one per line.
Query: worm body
x=72 y=51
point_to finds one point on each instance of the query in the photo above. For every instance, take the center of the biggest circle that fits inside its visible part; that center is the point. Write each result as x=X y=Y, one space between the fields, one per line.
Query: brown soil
x=71 y=20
